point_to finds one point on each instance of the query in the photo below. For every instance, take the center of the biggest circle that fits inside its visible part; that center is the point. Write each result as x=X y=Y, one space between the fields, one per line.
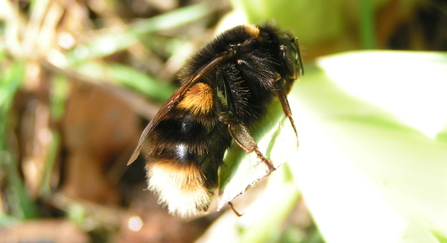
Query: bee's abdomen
x=185 y=154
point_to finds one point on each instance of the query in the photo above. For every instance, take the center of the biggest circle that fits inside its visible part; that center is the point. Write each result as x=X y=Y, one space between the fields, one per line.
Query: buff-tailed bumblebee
x=226 y=88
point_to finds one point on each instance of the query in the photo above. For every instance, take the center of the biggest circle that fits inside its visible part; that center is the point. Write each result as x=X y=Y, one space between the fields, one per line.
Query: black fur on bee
x=226 y=88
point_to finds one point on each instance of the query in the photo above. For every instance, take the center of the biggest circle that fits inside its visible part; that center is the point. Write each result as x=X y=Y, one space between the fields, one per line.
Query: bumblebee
x=226 y=88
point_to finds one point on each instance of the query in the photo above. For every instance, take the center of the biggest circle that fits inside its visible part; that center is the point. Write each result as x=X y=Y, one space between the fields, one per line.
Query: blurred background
x=80 y=79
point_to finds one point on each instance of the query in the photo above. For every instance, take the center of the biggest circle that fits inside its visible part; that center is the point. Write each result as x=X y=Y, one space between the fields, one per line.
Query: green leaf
x=264 y=217
x=366 y=173
x=271 y=209
x=410 y=85
x=276 y=140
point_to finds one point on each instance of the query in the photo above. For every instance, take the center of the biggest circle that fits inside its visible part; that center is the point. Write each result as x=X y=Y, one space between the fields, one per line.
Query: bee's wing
x=173 y=101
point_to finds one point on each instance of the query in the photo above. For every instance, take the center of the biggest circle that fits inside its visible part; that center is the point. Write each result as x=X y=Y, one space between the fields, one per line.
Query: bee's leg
x=230 y=204
x=282 y=96
x=239 y=132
